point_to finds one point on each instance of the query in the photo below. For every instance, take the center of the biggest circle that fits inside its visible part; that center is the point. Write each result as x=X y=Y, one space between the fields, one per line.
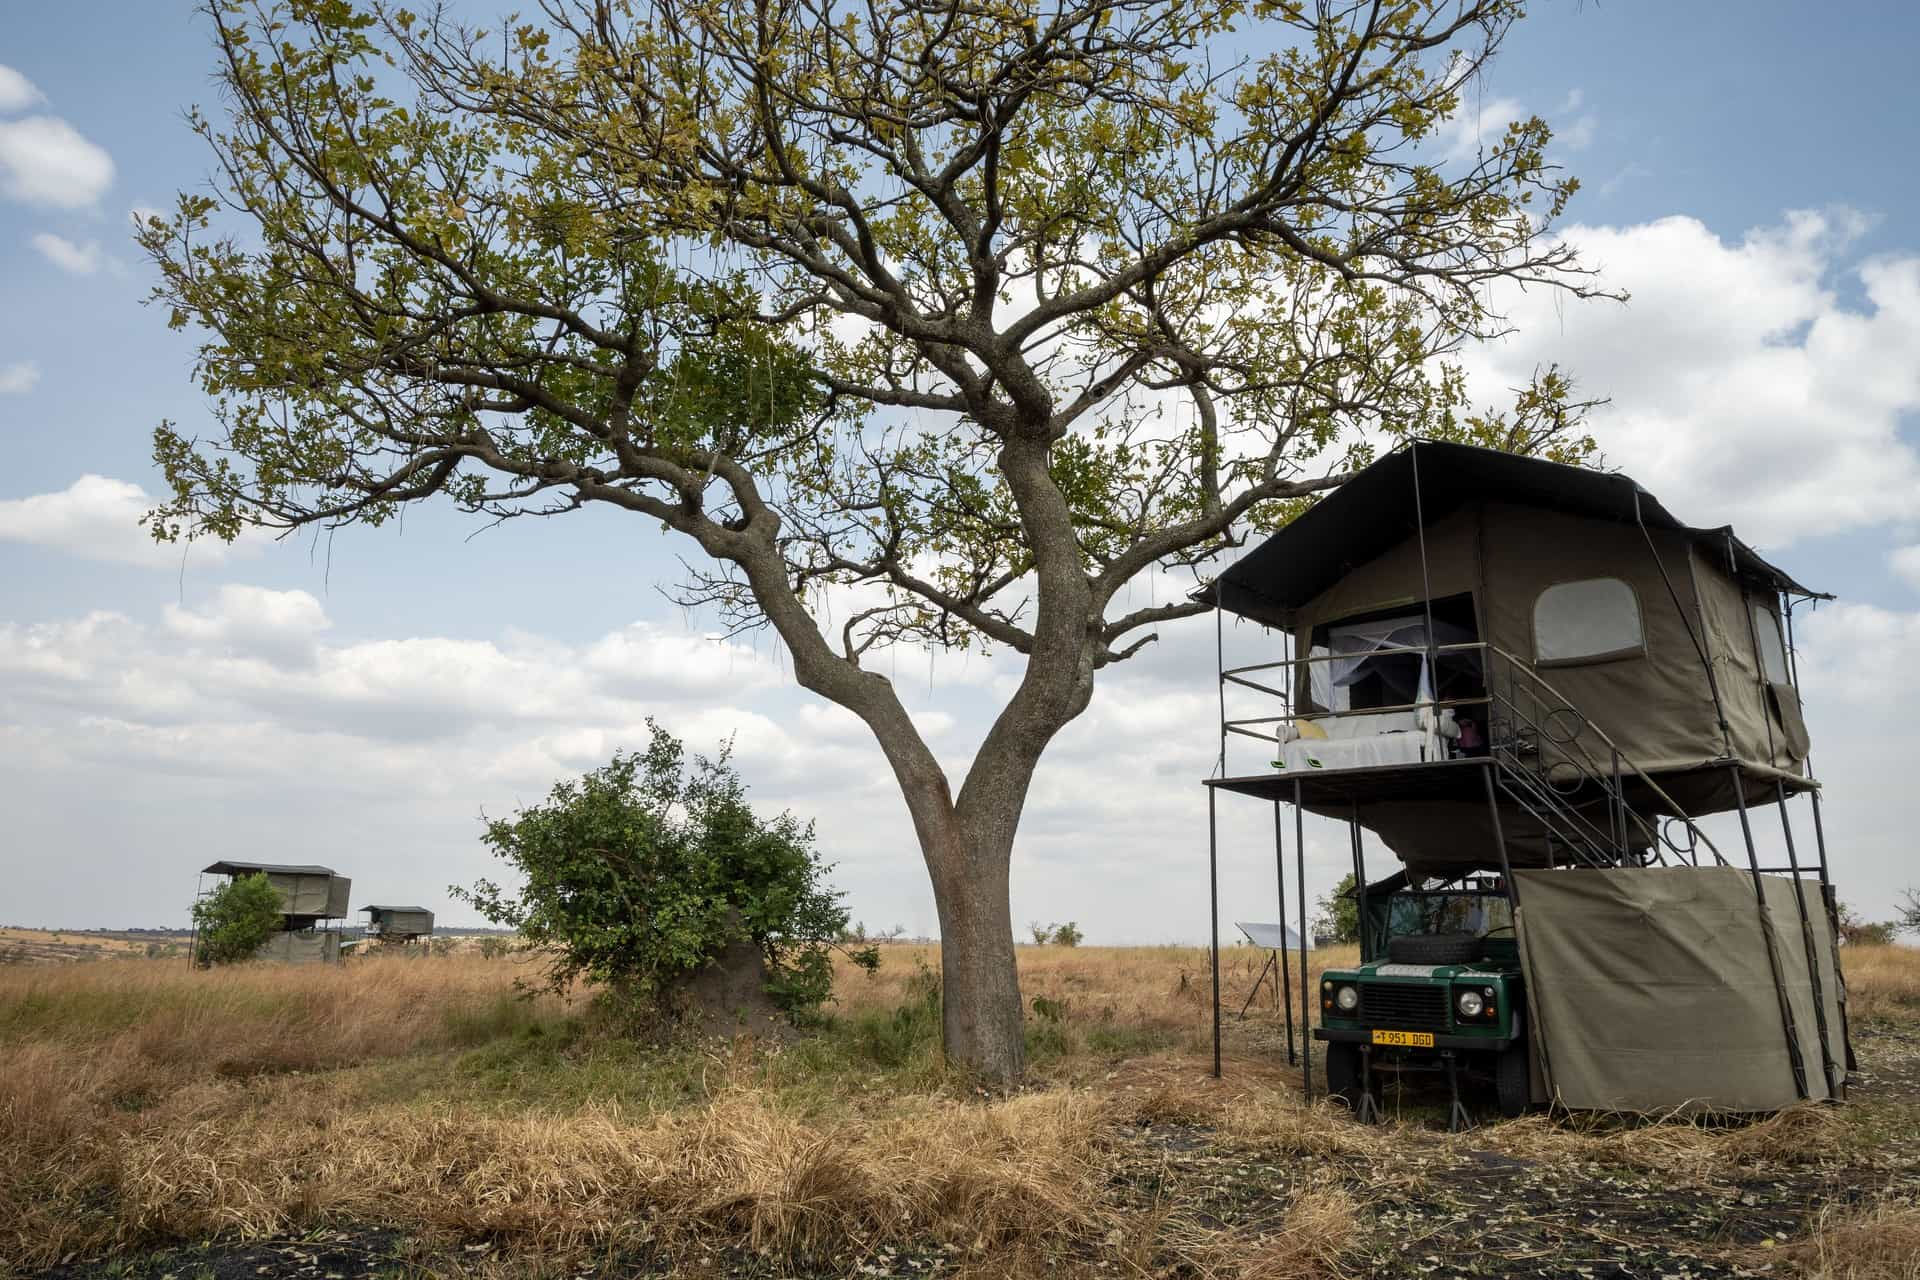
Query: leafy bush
x=1059 y=935
x=234 y=920
x=640 y=873
x=1339 y=917
x=1856 y=930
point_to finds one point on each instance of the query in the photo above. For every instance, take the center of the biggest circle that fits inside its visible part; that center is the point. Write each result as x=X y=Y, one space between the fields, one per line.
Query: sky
x=362 y=701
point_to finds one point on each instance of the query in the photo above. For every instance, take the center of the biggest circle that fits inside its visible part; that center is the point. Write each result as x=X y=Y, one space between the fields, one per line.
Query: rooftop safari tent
x=1531 y=681
x=398 y=924
x=313 y=902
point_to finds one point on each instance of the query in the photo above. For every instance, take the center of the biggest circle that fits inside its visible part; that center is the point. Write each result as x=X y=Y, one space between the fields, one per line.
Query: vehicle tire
x=1343 y=1071
x=1510 y=1080
x=1435 y=948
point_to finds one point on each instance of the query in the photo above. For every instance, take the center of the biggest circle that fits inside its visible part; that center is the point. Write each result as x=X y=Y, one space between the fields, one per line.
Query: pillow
x=1310 y=729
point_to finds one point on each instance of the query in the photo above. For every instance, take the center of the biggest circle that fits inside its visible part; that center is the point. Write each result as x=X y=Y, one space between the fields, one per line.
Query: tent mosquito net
x=1381 y=662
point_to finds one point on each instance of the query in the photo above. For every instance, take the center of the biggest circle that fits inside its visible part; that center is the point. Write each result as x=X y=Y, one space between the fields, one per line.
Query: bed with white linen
x=1367 y=741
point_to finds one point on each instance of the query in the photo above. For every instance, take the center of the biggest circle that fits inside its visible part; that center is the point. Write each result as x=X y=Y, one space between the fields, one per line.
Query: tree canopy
x=945 y=320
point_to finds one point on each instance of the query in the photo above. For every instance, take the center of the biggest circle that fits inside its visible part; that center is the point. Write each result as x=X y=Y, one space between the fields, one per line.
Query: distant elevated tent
x=399 y=924
x=307 y=892
x=312 y=900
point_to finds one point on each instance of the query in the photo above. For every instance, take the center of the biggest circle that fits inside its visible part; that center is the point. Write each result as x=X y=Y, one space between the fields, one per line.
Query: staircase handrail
x=1620 y=755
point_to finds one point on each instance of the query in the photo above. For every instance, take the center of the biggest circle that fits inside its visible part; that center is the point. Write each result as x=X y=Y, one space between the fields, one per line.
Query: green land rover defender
x=1438 y=988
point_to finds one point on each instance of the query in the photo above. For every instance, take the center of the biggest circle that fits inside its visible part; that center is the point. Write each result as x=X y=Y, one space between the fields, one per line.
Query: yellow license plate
x=1405 y=1039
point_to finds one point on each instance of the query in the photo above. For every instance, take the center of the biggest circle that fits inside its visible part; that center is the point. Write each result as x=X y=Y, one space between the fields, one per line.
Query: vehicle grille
x=1403 y=1004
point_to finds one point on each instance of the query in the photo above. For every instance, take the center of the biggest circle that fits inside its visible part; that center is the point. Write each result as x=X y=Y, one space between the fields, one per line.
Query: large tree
x=962 y=313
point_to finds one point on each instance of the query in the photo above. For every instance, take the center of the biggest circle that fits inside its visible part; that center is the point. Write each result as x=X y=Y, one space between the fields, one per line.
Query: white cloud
x=17 y=93
x=378 y=754
x=75 y=259
x=18 y=378
x=1905 y=562
x=1478 y=124
x=254 y=622
x=1744 y=388
x=46 y=161
x=98 y=518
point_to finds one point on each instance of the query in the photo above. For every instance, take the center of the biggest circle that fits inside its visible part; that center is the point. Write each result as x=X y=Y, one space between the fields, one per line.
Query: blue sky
x=1699 y=131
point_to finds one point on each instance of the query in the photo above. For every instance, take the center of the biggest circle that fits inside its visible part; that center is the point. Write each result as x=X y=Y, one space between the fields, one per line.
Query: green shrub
x=640 y=873
x=234 y=920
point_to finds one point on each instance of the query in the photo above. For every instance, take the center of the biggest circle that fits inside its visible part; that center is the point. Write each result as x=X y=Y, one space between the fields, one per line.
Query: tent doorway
x=1371 y=661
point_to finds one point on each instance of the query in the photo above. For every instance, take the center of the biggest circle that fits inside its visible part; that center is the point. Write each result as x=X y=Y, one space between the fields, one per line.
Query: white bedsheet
x=1351 y=753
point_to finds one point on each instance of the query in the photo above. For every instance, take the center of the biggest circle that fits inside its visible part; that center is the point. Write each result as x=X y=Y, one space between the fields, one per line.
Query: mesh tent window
x=1773 y=650
x=1590 y=620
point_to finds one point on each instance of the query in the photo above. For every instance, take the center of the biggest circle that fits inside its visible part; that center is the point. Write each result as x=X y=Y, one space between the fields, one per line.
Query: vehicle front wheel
x=1343 y=1071
x=1510 y=1081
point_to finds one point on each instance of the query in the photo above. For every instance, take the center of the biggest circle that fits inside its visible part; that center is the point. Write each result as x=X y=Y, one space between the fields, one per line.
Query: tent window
x=1773 y=653
x=1587 y=621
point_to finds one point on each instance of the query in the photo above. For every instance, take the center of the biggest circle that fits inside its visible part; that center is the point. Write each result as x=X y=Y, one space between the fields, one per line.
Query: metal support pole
x=1300 y=887
x=1766 y=938
x=1458 y=1121
x=1537 y=1033
x=193 y=938
x=1827 y=897
x=1806 y=939
x=1833 y=927
x=1285 y=991
x=1619 y=809
x=1220 y=668
x=1500 y=838
x=1359 y=878
x=1213 y=898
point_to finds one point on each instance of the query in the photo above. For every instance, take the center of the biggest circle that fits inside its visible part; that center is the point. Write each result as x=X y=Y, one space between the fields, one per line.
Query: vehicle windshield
x=1476 y=913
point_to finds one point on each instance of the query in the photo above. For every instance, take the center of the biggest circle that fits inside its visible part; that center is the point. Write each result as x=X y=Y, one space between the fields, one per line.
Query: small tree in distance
x=641 y=873
x=1058 y=935
x=1339 y=916
x=233 y=921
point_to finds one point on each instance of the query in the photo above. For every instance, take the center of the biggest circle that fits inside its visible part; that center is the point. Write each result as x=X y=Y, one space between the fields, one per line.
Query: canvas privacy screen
x=1654 y=989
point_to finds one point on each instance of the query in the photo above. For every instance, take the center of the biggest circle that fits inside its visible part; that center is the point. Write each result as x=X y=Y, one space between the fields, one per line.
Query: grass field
x=413 y=1116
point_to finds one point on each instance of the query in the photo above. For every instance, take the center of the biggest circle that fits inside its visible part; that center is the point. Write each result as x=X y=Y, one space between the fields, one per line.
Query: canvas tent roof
x=230 y=866
x=382 y=906
x=1374 y=511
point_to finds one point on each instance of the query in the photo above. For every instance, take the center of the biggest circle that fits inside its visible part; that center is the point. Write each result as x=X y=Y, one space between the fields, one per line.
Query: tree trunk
x=981 y=1024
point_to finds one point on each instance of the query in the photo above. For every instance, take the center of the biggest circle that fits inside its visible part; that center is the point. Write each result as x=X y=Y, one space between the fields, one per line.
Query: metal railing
x=1551 y=761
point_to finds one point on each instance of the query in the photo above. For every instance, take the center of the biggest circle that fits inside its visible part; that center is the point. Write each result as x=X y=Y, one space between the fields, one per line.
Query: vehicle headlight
x=1470 y=1004
x=1347 y=999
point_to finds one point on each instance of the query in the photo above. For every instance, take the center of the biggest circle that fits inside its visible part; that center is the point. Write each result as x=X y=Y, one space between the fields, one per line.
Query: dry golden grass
x=1879 y=1242
x=142 y=1101
x=970 y=1176
x=1320 y=1225
x=1882 y=982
